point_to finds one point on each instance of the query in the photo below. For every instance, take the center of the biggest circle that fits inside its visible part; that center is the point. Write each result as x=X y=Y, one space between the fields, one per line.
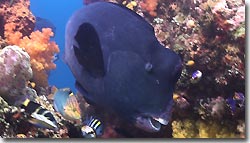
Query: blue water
x=58 y=12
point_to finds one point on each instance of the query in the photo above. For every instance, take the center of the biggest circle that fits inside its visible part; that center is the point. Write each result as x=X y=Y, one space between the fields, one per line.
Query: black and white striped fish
x=40 y=116
x=93 y=128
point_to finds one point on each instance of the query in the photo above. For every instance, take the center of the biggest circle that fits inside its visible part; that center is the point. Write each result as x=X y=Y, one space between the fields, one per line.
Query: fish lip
x=155 y=124
x=161 y=120
x=150 y=123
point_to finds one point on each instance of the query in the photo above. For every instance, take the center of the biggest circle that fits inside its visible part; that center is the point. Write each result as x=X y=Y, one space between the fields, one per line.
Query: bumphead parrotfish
x=120 y=66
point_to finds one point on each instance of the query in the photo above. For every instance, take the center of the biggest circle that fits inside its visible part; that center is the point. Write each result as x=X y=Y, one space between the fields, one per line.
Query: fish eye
x=148 y=67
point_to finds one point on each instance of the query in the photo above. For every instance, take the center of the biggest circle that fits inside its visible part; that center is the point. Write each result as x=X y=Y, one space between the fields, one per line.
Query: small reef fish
x=41 y=117
x=196 y=76
x=120 y=66
x=236 y=101
x=190 y=63
x=238 y=96
x=66 y=104
x=93 y=128
x=21 y=136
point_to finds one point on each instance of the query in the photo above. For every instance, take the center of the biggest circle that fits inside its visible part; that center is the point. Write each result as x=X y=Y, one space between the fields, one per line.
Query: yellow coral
x=189 y=128
x=184 y=129
x=131 y=5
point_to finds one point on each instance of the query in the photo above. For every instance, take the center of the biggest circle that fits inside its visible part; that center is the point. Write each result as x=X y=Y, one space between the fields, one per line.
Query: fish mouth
x=153 y=122
x=150 y=124
x=161 y=120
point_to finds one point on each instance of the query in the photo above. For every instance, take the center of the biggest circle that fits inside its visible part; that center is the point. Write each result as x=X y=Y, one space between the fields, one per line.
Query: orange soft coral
x=41 y=51
x=149 y=6
x=12 y=38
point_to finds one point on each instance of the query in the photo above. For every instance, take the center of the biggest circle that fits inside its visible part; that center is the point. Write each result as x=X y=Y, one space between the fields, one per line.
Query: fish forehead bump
x=99 y=14
x=91 y=14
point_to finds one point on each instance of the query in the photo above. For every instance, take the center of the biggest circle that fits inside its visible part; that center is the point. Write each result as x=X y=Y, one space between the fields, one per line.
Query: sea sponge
x=149 y=6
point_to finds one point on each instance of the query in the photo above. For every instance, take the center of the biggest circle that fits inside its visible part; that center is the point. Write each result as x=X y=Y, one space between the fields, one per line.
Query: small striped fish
x=93 y=128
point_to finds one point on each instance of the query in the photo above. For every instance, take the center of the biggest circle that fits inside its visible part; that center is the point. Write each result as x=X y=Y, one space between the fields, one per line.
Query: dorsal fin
x=89 y=53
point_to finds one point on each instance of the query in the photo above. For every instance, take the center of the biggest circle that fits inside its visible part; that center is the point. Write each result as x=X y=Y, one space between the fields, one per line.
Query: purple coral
x=15 y=70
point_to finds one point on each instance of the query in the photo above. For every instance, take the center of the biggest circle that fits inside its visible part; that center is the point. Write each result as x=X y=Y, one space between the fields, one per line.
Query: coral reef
x=189 y=128
x=209 y=35
x=5 y=126
x=18 y=24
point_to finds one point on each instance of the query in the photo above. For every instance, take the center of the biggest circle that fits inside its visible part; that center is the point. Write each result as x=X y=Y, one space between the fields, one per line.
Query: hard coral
x=149 y=6
x=15 y=71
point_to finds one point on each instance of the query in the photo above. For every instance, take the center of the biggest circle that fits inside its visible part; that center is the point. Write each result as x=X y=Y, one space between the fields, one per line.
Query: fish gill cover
x=208 y=99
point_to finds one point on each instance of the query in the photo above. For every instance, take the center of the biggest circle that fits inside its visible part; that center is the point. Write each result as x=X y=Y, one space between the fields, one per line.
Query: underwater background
x=209 y=98
x=59 y=17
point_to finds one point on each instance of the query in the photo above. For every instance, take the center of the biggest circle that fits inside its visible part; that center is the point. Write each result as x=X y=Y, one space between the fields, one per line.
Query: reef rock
x=15 y=71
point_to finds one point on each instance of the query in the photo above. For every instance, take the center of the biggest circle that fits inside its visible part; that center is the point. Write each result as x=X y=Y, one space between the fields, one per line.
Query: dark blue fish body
x=119 y=65
x=44 y=23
